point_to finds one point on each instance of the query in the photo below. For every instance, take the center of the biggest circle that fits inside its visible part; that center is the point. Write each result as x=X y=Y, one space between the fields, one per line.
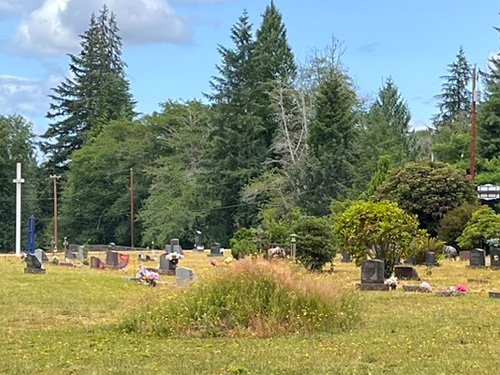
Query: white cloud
x=10 y=8
x=25 y=96
x=53 y=28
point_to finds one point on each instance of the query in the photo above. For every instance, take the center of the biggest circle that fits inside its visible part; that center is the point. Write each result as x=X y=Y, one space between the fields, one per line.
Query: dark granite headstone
x=411 y=261
x=167 y=266
x=112 y=259
x=372 y=272
x=33 y=264
x=478 y=258
x=198 y=241
x=495 y=257
x=176 y=247
x=430 y=258
x=215 y=250
x=346 y=257
x=406 y=273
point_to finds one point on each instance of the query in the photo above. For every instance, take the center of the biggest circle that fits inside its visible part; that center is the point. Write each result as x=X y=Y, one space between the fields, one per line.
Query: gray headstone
x=80 y=254
x=198 y=241
x=33 y=265
x=164 y=262
x=95 y=262
x=346 y=257
x=215 y=250
x=184 y=276
x=450 y=252
x=175 y=246
x=372 y=272
x=478 y=258
x=430 y=258
x=495 y=257
x=41 y=256
x=112 y=258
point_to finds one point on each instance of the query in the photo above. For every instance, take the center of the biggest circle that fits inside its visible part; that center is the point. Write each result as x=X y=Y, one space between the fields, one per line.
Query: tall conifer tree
x=455 y=98
x=329 y=173
x=97 y=93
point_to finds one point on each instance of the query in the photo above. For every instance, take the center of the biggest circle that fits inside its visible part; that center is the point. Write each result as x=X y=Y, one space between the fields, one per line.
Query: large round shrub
x=316 y=244
x=376 y=230
x=428 y=190
x=244 y=242
x=483 y=225
x=454 y=221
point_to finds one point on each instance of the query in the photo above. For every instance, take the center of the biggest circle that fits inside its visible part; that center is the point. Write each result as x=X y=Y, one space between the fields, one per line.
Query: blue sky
x=171 y=45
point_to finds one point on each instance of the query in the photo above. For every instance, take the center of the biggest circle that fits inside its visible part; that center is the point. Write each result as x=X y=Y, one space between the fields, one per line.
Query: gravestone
x=70 y=254
x=450 y=252
x=346 y=257
x=198 y=241
x=184 y=276
x=406 y=273
x=80 y=254
x=478 y=258
x=167 y=267
x=495 y=258
x=464 y=255
x=416 y=288
x=411 y=261
x=33 y=264
x=174 y=247
x=430 y=258
x=41 y=256
x=95 y=262
x=112 y=259
x=215 y=250
x=372 y=275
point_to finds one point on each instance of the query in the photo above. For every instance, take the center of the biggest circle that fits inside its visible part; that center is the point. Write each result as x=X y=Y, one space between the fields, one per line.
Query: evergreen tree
x=489 y=112
x=274 y=64
x=388 y=130
x=455 y=98
x=97 y=93
x=239 y=143
x=328 y=172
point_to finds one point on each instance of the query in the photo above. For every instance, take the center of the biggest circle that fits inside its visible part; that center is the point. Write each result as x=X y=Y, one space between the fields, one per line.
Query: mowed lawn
x=65 y=322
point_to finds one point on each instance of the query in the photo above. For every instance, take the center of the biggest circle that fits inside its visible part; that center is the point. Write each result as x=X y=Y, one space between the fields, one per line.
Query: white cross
x=18 y=181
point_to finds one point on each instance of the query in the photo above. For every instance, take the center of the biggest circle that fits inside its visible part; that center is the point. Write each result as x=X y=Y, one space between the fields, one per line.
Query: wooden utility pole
x=56 y=239
x=474 y=129
x=131 y=208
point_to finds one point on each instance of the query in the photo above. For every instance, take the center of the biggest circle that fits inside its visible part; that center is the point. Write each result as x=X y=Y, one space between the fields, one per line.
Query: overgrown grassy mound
x=254 y=298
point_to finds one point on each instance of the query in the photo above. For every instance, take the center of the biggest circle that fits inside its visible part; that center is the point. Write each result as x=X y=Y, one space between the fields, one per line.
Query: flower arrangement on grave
x=276 y=252
x=213 y=262
x=392 y=282
x=55 y=260
x=174 y=257
x=228 y=260
x=146 y=276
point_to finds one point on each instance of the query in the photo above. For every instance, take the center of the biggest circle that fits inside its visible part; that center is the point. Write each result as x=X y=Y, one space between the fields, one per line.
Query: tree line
x=274 y=136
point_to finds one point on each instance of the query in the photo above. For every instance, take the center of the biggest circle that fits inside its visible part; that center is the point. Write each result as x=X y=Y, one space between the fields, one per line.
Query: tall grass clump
x=255 y=298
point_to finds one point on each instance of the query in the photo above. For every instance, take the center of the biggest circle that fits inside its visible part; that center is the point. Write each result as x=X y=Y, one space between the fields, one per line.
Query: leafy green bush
x=376 y=230
x=453 y=223
x=483 y=225
x=244 y=242
x=316 y=243
x=423 y=243
x=254 y=298
x=428 y=190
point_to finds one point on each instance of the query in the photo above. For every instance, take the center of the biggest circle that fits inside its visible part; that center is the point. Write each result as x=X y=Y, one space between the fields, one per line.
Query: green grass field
x=65 y=322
